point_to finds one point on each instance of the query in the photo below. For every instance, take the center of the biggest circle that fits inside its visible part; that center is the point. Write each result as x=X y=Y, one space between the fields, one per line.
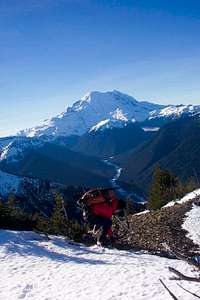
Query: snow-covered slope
x=13 y=184
x=13 y=149
x=9 y=184
x=5 y=141
x=174 y=111
x=109 y=124
x=34 y=268
x=92 y=109
x=192 y=224
x=186 y=198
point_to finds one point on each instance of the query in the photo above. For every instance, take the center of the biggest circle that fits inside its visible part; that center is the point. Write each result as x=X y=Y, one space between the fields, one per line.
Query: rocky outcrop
x=153 y=230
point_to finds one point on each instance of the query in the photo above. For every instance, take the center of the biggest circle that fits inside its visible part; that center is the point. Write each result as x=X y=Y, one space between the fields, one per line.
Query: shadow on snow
x=28 y=244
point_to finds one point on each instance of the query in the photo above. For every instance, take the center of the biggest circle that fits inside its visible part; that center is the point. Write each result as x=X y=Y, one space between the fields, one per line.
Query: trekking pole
x=126 y=218
x=65 y=212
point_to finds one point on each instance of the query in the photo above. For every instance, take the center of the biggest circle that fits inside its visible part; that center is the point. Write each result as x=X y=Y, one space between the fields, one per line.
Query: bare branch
x=188 y=291
x=182 y=276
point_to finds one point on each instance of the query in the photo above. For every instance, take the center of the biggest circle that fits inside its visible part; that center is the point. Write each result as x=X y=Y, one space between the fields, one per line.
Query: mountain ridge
x=111 y=106
x=92 y=109
x=175 y=147
x=101 y=125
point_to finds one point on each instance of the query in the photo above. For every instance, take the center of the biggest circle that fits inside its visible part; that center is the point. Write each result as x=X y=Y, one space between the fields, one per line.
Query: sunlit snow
x=37 y=269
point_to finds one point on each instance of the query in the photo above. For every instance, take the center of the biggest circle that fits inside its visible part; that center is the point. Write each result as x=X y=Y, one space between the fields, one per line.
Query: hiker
x=98 y=207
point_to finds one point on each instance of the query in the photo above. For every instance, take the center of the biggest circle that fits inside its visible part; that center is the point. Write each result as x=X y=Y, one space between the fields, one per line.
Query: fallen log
x=182 y=276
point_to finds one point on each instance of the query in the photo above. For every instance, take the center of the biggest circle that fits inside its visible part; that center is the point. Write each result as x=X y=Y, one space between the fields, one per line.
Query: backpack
x=96 y=196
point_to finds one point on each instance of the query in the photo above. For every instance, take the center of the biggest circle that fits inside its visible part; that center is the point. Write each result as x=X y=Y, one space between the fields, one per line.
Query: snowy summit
x=100 y=110
x=92 y=109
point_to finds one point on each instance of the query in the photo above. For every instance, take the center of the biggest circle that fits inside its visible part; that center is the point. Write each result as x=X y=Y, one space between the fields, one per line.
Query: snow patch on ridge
x=99 y=125
x=108 y=124
x=14 y=150
x=186 y=198
x=192 y=224
x=151 y=129
x=119 y=115
x=174 y=111
x=11 y=152
x=118 y=120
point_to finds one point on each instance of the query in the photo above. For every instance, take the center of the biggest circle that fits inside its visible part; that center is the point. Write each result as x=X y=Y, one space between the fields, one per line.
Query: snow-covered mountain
x=92 y=109
x=100 y=110
x=99 y=124
x=175 y=111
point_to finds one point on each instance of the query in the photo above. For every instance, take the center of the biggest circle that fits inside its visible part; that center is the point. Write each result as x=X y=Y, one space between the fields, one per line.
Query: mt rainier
x=93 y=108
x=93 y=113
x=99 y=108
x=71 y=147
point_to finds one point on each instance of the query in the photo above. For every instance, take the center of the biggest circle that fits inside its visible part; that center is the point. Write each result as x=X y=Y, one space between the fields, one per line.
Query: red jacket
x=105 y=209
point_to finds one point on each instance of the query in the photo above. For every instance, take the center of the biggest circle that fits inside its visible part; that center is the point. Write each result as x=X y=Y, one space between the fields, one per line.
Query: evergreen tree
x=58 y=219
x=41 y=223
x=155 y=198
x=60 y=224
x=163 y=188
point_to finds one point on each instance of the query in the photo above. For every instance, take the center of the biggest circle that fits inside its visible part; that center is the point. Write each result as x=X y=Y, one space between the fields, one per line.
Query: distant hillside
x=58 y=164
x=111 y=141
x=175 y=147
x=69 y=147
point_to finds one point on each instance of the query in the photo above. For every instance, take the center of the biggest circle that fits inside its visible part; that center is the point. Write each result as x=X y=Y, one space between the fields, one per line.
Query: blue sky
x=52 y=52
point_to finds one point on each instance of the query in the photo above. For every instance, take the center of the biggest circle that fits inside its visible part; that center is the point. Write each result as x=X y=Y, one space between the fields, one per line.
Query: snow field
x=34 y=268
